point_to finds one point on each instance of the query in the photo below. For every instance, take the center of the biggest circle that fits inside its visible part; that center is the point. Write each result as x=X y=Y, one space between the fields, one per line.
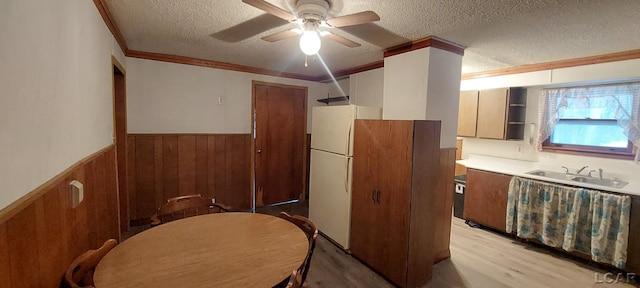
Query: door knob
x=259 y=150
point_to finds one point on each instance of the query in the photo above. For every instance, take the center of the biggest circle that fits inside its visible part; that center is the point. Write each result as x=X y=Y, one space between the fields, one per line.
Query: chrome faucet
x=580 y=170
x=600 y=172
x=591 y=171
x=566 y=170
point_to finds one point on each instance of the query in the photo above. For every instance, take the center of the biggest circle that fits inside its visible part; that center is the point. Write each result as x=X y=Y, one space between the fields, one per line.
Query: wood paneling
x=486 y=189
x=170 y=165
x=633 y=248
x=40 y=234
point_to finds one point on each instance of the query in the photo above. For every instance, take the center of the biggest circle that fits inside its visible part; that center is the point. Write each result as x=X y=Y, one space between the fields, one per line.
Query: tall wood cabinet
x=395 y=170
x=493 y=114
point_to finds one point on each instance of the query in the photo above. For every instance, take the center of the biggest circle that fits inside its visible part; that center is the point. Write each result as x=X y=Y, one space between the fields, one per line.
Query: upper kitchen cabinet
x=500 y=114
x=468 y=113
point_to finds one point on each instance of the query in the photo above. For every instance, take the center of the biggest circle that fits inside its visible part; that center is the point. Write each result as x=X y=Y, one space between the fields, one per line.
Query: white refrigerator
x=330 y=168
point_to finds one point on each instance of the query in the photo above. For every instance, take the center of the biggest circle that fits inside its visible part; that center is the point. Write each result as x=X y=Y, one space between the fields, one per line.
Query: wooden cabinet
x=500 y=114
x=633 y=248
x=468 y=113
x=393 y=214
x=485 y=198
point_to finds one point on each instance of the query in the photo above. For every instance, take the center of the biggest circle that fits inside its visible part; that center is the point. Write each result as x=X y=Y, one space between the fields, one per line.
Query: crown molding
x=106 y=17
x=349 y=71
x=618 y=56
x=429 y=41
x=215 y=64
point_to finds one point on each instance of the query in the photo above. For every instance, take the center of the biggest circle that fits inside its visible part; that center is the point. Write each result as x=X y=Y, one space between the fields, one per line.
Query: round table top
x=231 y=249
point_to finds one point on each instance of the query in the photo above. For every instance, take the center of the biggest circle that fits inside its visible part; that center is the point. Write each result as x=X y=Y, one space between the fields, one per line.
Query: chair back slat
x=311 y=230
x=80 y=271
x=186 y=206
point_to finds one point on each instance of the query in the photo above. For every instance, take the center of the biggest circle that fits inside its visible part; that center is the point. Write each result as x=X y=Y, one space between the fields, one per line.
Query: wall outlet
x=220 y=100
x=77 y=193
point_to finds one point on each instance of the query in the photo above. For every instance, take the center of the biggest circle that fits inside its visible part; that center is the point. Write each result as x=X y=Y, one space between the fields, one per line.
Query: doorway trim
x=119 y=137
x=254 y=83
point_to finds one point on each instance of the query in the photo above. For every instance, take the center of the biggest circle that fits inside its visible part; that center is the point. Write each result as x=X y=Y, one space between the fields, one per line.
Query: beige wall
x=56 y=104
x=175 y=98
x=366 y=88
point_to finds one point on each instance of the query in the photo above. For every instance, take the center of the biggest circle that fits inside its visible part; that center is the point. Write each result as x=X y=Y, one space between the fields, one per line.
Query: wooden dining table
x=232 y=249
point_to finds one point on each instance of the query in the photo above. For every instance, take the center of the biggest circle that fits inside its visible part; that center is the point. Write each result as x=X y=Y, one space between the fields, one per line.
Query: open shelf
x=334 y=99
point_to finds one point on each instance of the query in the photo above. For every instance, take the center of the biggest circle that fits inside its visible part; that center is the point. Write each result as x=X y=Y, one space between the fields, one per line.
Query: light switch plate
x=77 y=193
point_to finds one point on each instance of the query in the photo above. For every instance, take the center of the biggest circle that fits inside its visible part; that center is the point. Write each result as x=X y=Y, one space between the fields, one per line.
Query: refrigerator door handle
x=378 y=196
x=347 y=150
x=346 y=176
x=373 y=195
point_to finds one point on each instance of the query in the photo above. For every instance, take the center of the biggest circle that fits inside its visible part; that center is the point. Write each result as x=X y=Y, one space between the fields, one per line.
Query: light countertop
x=520 y=168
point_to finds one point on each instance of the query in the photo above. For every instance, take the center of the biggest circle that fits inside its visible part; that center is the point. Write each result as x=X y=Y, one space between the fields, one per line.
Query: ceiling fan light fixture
x=310 y=42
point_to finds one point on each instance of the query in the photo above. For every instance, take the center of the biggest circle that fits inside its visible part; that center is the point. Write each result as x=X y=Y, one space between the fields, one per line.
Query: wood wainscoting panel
x=40 y=233
x=5 y=275
x=170 y=165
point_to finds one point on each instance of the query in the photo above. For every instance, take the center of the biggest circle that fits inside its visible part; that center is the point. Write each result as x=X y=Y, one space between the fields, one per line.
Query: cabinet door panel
x=633 y=250
x=492 y=106
x=468 y=113
x=363 y=208
x=485 y=200
x=394 y=149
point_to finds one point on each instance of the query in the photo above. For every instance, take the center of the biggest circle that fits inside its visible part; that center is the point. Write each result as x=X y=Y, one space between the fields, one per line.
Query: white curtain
x=624 y=99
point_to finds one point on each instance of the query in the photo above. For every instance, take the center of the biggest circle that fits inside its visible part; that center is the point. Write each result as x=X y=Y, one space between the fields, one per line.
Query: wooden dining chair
x=295 y=281
x=311 y=230
x=80 y=271
x=186 y=206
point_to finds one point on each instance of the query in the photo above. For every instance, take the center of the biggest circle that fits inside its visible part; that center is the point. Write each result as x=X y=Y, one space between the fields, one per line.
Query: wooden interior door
x=120 y=140
x=280 y=142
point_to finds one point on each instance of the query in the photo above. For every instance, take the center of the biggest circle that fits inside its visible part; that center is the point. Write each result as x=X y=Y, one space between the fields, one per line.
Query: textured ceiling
x=496 y=33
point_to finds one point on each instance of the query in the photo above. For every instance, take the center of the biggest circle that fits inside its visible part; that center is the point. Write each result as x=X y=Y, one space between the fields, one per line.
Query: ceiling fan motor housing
x=312 y=10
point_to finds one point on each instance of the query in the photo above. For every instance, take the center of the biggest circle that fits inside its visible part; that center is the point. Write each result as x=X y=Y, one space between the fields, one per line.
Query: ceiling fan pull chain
x=305 y=61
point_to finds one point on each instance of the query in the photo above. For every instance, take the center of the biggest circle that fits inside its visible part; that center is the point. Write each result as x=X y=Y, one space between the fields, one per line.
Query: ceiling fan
x=310 y=15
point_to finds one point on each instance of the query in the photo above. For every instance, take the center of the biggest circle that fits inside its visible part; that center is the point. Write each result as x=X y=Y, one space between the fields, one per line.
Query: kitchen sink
x=614 y=183
x=597 y=181
x=550 y=174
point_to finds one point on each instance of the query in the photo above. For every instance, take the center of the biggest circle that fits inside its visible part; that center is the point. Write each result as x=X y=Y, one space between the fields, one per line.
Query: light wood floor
x=479 y=258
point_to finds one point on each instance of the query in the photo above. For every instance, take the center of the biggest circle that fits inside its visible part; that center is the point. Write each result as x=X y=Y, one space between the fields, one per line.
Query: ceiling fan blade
x=249 y=28
x=340 y=39
x=354 y=19
x=375 y=35
x=271 y=9
x=281 y=35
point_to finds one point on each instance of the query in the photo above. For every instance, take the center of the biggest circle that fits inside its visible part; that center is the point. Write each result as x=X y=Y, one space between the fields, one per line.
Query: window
x=595 y=120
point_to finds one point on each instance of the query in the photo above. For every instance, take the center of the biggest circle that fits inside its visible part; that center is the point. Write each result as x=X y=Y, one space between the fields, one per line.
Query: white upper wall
x=424 y=84
x=366 y=88
x=166 y=97
x=56 y=106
